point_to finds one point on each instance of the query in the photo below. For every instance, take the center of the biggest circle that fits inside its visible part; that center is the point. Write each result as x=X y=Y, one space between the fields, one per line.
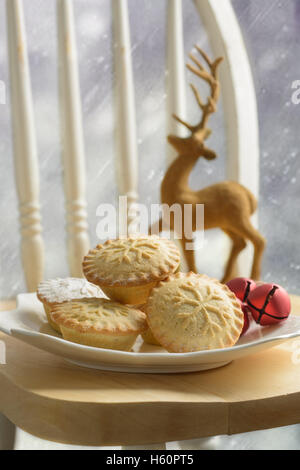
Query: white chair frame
x=239 y=107
x=238 y=95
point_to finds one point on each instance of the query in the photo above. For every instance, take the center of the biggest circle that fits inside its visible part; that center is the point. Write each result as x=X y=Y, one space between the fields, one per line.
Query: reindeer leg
x=246 y=230
x=189 y=255
x=238 y=244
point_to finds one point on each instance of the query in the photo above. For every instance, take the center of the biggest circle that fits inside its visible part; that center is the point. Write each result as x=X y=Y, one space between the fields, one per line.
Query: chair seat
x=57 y=401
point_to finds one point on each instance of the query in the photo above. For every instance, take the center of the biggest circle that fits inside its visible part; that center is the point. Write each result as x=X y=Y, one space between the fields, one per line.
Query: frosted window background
x=271 y=31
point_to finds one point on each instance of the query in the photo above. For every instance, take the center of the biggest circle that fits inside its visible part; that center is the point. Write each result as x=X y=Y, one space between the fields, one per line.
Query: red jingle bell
x=241 y=286
x=246 y=312
x=269 y=304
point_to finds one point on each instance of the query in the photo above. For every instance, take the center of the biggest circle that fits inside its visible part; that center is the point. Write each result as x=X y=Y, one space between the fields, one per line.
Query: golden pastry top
x=189 y=312
x=62 y=290
x=99 y=316
x=131 y=261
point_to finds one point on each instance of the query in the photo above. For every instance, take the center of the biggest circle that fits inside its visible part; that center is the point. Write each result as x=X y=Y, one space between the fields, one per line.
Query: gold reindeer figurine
x=227 y=205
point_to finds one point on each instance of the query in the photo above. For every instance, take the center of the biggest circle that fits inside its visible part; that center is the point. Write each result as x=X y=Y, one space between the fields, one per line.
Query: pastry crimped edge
x=51 y=322
x=99 y=337
x=169 y=266
x=147 y=335
x=160 y=338
x=47 y=293
x=44 y=290
x=63 y=319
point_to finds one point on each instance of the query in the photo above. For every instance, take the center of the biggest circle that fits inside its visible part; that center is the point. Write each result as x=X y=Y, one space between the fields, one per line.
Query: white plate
x=28 y=323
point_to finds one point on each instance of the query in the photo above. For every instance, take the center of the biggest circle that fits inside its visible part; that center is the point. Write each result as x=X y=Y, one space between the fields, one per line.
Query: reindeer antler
x=211 y=77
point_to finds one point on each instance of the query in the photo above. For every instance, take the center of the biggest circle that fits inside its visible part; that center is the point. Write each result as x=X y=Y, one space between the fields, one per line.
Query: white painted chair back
x=239 y=108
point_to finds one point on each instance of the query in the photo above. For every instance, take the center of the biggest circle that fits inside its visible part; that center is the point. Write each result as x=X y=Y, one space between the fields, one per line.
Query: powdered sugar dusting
x=70 y=288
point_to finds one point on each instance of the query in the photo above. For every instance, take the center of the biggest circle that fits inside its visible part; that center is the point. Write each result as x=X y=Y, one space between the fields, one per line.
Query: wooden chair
x=156 y=402
x=239 y=108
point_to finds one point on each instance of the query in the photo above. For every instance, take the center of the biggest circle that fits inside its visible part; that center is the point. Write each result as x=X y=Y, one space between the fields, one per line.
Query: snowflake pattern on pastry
x=98 y=315
x=204 y=303
x=131 y=261
x=126 y=252
x=192 y=312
